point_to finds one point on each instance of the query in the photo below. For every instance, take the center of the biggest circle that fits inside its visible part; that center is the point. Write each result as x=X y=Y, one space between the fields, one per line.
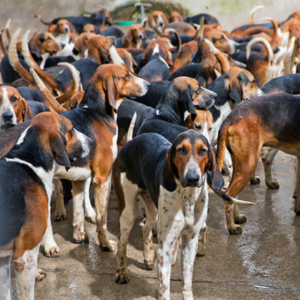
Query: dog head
x=136 y=33
x=112 y=83
x=158 y=19
x=203 y=123
x=175 y=17
x=43 y=42
x=98 y=49
x=158 y=48
x=192 y=94
x=13 y=108
x=63 y=26
x=188 y=160
x=242 y=85
x=91 y=29
x=221 y=41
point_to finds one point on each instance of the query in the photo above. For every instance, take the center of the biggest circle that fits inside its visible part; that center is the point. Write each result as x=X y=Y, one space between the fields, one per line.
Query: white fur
x=22 y=136
x=6 y=107
x=186 y=115
x=163 y=61
x=84 y=143
x=73 y=174
x=156 y=49
x=142 y=83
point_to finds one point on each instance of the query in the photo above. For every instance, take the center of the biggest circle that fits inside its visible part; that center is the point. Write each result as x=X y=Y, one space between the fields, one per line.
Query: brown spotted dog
x=175 y=17
x=13 y=108
x=135 y=37
x=158 y=19
x=104 y=93
x=173 y=176
x=26 y=175
x=183 y=28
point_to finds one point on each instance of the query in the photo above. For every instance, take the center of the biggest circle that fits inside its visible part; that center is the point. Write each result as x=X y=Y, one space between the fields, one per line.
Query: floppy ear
x=166 y=178
x=145 y=56
x=235 y=91
x=168 y=58
x=187 y=99
x=214 y=178
x=27 y=113
x=34 y=47
x=59 y=151
x=111 y=91
x=166 y=23
x=134 y=64
x=150 y=21
x=129 y=36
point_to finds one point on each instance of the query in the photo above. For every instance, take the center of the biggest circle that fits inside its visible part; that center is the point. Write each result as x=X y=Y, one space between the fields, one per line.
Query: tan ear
x=27 y=113
x=145 y=56
x=129 y=36
x=166 y=23
x=111 y=91
x=168 y=58
x=59 y=151
x=235 y=91
x=34 y=47
x=150 y=21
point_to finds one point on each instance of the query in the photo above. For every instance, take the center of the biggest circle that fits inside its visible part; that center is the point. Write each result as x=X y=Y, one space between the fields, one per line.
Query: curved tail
x=267 y=45
x=251 y=13
x=131 y=127
x=275 y=34
x=221 y=144
x=38 y=15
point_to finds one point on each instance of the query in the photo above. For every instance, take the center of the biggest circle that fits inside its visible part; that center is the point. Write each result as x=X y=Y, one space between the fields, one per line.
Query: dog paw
x=272 y=185
x=109 y=246
x=255 y=180
x=52 y=250
x=60 y=214
x=240 y=220
x=91 y=219
x=149 y=264
x=79 y=237
x=40 y=275
x=235 y=230
x=121 y=276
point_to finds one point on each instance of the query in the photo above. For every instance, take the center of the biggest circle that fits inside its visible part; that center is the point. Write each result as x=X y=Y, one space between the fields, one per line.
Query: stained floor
x=261 y=263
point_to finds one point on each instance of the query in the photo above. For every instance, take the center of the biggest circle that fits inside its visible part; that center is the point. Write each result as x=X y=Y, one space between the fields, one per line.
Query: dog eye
x=134 y=30
x=127 y=76
x=14 y=99
x=198 y=127
x=209 y=129
x=49 y=39
x=181 y=151
x=222 y=38
x=202 y=151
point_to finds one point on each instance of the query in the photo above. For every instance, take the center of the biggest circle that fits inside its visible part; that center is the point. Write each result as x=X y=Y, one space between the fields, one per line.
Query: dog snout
x=192 y=179
x=147 y=83
x=7 y=116
x=160 y=23
x=66 y=29
x=140 y=36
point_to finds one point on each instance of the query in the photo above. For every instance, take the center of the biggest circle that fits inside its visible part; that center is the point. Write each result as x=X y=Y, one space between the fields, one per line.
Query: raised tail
x=221 y=144
x=266 y=44
x=131 y=127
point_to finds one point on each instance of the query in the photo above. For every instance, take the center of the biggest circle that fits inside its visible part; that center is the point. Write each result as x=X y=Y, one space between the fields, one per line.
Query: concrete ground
x=261 y=263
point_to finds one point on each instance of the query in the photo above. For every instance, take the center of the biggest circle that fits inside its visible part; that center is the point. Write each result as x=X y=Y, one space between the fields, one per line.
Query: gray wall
x=230 y=13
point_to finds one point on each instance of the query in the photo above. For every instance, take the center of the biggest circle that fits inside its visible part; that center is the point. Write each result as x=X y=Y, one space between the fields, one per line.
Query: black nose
x=160 y=24
x=7 y=116
x=63 y=45
x=66 y=29
x=148 y=83
x=140 y=36
x=192 y=178
x=90 y=141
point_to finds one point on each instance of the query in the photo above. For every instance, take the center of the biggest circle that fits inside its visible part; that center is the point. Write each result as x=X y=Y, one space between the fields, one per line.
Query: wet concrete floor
x=261 y=263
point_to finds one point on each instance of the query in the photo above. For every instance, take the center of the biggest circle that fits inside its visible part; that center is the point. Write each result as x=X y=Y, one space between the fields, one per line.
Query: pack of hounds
x=157 y=112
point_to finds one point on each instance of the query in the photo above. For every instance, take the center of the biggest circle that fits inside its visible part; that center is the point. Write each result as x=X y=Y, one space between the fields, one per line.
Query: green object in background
x=125 y=23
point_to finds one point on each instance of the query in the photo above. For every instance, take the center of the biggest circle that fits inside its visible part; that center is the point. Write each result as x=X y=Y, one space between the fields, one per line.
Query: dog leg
x=175 y=252
x=151 y=220
x=25 y=272
x=60 y=210
x=296 y=194
x=5 y=276
x=50 y=246
x=78 y=212
x=127 y=218
x=202 y=241
x=89 y=210
x=169 y=227
x=102 y=192
x=267 y=160
x=189 y=247
x=254 y=179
